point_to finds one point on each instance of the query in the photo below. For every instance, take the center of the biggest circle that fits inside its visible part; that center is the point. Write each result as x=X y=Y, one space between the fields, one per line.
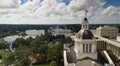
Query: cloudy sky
x=59 y=11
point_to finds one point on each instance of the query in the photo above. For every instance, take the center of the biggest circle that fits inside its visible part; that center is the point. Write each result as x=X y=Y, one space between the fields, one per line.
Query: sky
x=59 y=11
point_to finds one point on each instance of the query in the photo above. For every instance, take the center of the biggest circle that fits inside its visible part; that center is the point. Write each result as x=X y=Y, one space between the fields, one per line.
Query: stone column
x=117 y=51
x=100 y=44
x=113 y=50
x=108 y=45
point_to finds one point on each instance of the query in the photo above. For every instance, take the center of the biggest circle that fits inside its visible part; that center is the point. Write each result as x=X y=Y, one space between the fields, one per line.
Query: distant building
x=11 y=39
x=59 y=31
x=33 y=33
x=107 y=31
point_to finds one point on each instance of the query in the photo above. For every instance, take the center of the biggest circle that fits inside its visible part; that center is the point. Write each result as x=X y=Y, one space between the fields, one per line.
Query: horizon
x=59 y=24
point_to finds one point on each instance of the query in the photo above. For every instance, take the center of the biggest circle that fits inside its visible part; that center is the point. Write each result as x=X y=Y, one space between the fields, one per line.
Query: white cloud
x=9 y=3
x=55 y=11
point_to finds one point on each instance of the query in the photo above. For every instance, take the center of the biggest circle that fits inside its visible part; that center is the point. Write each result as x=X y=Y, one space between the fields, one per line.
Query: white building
x=85 y=43
x=83 y=51
x=11 y=39
x=34 y=33
x=59 y=31
x=107 y=31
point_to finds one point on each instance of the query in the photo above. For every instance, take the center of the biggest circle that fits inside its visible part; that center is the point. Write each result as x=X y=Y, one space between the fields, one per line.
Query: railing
x=65 y=60
x=109 y=41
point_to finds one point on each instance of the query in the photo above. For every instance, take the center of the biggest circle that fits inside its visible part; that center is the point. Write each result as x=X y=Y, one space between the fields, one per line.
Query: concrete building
x=34 y=33
x=107 y=31
x=59 y=31
x=85 y=43
x=84 y=50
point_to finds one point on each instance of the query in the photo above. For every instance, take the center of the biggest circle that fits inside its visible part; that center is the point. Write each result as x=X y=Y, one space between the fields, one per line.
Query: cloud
x=56 y=12
x=9 y=4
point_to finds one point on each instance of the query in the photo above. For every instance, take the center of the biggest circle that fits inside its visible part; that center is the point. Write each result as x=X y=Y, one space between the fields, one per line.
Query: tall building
x=83 y=51
x=85 y=43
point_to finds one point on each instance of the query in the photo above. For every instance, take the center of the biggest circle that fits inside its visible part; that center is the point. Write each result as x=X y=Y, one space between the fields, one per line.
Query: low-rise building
x=107 y=31
x=32 y=33
x=59 y=31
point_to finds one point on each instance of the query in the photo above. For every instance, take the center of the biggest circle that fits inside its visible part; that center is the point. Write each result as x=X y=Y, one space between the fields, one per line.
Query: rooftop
x=71 y=58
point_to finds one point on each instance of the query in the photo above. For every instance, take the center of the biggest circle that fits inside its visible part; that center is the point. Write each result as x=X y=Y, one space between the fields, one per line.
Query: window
x=83 y=47
x=86 y=47
x=90 y=47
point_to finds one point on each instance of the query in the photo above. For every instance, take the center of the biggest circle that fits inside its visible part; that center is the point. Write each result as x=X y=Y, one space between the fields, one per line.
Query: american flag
x=86 y=11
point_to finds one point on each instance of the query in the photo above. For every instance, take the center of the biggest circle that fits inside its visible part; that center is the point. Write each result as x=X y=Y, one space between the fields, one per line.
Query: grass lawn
x=42 y=65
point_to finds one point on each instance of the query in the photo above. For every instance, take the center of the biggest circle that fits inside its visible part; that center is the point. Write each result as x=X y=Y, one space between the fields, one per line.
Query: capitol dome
x=85 y=34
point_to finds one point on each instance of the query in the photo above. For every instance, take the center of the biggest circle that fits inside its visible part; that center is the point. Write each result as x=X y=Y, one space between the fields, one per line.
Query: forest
x=46 y=49
x=9 y=29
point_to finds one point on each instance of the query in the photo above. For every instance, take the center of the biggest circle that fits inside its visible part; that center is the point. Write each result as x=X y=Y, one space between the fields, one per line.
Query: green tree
x=8 y=58
x=3 y=44
x=53 y=63
x=20 y=41
x=55 y=53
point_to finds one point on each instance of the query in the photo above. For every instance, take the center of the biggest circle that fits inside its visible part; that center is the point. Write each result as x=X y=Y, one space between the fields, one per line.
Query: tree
x=37 y=58
x=20 y=41
x=8 y=58
x=55 y=53
x=53 y=63
x=3 y=44
x=18 y=58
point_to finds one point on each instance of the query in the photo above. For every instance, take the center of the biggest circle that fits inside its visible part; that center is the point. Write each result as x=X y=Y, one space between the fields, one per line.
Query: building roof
x=85 y=34
x=71 y=58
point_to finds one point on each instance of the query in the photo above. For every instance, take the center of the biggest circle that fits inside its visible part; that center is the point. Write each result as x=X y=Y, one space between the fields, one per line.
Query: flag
x=86 y=11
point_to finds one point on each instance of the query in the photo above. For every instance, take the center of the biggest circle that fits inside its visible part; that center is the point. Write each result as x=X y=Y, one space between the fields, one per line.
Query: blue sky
x=58 y=11
x=108 y=3
x=113 y=2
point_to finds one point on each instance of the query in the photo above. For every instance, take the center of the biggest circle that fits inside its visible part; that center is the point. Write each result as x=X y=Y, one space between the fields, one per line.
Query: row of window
x=87 y=48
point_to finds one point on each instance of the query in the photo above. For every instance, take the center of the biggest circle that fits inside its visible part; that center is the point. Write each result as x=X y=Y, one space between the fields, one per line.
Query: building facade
x=85 y=43
x=59 y=31
x=35 y=33
x=107 y=31
x=84 y=50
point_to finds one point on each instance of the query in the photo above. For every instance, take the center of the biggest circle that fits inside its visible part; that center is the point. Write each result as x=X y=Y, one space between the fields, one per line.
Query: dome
x=85 y=34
